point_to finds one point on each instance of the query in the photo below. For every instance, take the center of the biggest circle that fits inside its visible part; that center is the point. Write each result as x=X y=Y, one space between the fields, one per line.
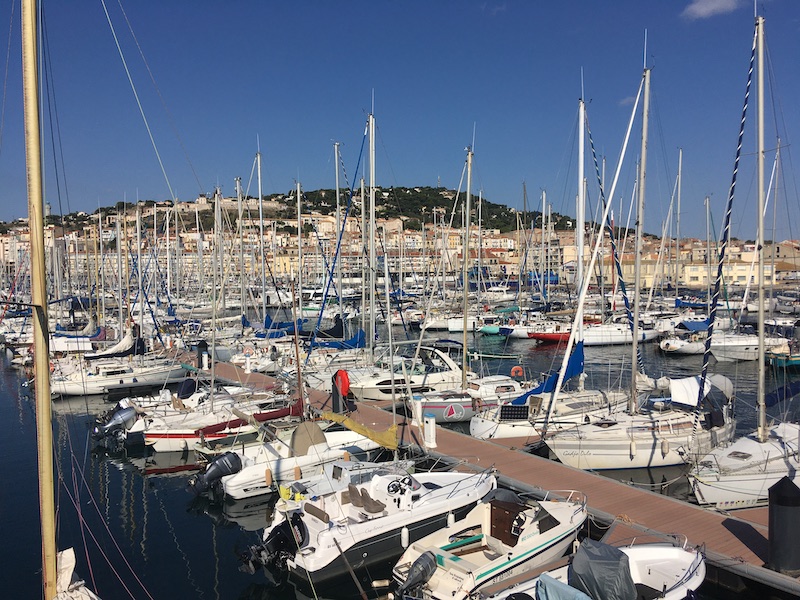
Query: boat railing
x=576 y=497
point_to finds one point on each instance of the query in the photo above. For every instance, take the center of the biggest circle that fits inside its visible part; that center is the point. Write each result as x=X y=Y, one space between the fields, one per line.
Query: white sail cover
x=125 y=344
x=685 y=390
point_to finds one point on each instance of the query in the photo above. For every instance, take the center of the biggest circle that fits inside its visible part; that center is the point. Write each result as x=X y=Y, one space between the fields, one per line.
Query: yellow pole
x=44 y=421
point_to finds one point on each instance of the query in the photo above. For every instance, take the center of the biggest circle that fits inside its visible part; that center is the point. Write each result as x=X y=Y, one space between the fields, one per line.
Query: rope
x=726 y=228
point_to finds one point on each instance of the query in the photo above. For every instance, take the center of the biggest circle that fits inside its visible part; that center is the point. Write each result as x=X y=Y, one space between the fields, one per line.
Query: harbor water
x=145 y=536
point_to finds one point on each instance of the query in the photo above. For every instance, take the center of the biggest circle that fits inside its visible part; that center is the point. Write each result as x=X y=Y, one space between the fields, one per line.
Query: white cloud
x=703 y=9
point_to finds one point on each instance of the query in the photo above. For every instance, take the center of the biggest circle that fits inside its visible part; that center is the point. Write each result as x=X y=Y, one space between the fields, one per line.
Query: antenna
x=474 y=128
x=582 y=90
x=644 y=54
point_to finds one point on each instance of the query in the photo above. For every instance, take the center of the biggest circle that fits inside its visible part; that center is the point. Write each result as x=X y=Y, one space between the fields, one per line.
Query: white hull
x=656 y=439
x=527 y=420
x=285 y=465
x=500 y=538
x=88 y=381
x=740 y=474
x=732 y=347
x=389 y=509
x=682 y=346
x=614 y=334
x=671 y=572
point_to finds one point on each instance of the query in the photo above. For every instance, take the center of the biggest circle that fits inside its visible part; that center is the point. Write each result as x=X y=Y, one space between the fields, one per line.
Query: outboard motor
x=286 y=538
x=281 y=543
x=420 y=572
x=225 y=464
x=116 y=426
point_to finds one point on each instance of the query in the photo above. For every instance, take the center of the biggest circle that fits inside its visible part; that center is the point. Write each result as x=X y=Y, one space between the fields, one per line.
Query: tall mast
x=580 y=209
x=242 y=290
x=762 y=417
x=299 y=252
x=41 y=366
x=678 y=222
x=372 y=232
x=465 y=269
x=261 y=243
x=339 y=233
x=637 y=275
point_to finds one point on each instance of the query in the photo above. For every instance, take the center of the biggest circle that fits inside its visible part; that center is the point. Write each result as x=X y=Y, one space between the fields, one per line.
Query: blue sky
x=299 y=75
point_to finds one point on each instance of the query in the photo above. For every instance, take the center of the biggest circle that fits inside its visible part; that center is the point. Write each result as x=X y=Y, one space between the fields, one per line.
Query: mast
x=762 y=416
x=242 y=290
x=261 y=243
x=338 y=233
x=465 y=269
x=44 y=419
x=371 y=232
x=637 y=275
x=580 y=210
x=678 y=223
x=299 y=253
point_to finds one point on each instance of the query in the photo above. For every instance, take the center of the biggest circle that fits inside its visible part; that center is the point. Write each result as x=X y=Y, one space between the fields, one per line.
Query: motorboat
x=365 y=525
x=599 y=571
x=506 y=534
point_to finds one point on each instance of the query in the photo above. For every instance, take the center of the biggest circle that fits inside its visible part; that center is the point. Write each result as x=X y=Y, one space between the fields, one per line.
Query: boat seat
x=371 y=506
x=355 y=495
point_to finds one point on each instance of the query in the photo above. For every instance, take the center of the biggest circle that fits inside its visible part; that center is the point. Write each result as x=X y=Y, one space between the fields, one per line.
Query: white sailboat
x=740 y=474
x=666 y=430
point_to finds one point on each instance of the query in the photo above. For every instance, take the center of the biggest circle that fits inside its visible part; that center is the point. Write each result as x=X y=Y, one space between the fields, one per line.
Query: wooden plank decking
x=738 y=542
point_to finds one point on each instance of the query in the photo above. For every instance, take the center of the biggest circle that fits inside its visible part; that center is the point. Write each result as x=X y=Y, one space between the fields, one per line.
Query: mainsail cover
x=387 y=439
x=574 y=367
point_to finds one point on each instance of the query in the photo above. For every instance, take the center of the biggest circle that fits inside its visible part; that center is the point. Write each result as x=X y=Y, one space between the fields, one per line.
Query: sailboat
x=57 y=567
x=740 y=474
x=667 y=429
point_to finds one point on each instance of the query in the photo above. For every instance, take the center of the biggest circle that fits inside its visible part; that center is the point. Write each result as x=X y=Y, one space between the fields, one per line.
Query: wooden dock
x=735 y=543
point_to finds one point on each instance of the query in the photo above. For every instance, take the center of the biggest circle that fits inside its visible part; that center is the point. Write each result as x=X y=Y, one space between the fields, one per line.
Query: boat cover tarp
x=387 y=438
x=89 y=330
x=690 y=304
x=685 y=390
x=549 y=588
x=602 y=572
x=125 y=347
x=574 y=367
x=335 y=332
x=693 y=326
x=359 y=340
x=295 y=410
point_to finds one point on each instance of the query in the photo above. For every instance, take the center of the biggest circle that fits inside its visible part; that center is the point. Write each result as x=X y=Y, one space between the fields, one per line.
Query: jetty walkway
x=736 y=544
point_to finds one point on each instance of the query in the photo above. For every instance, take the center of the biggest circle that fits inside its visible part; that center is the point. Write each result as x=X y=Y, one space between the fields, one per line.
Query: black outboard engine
x=112 y=430
x=281 y=543
x=420 y=572
x=225 y=464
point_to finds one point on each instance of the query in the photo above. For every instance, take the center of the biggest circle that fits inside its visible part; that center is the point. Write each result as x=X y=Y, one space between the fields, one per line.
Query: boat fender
x=404 y=539
x=268 y=477
x=633 y=449
x=451 y=519
x=345 y=455
x=298 y=473
x=664 y=447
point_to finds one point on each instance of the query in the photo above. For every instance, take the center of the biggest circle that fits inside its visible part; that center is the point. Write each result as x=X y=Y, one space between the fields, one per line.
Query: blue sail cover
x=574 y=367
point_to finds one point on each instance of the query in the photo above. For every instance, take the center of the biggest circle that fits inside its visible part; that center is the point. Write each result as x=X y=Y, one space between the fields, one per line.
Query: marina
x=144 y=499
x=352 y=394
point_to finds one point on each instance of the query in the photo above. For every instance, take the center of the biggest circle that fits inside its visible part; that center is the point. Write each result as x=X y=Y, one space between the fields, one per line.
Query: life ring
x=516 y=371
x=52 y=367
x=248 y=351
